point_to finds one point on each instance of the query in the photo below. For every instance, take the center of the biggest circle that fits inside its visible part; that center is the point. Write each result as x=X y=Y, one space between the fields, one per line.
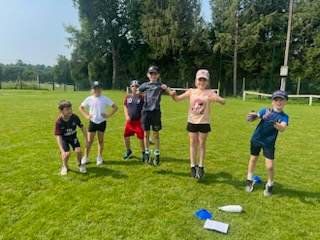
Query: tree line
x=118 y=39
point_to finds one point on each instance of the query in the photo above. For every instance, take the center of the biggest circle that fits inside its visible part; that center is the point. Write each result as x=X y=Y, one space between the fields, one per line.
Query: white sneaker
x=99 y=161
x=64 y=171
x=84 y=160
x=83 y=168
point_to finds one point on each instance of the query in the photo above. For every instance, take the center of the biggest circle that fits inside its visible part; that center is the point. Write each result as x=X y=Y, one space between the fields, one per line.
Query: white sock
x=249 y=176
x=146 y=150
x=156 y=152
x=270 y=183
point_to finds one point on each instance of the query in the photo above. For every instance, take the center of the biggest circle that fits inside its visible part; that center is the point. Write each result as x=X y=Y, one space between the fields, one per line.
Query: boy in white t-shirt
x=93 y=108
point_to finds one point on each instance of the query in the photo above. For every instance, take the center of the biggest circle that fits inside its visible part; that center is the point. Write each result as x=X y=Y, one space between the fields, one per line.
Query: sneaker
x=249 y=185
x=64 y=171
x=156 y=160
x=146 y=157
x=267 y=191
x=193 y=172
x=127 y=154
x=200 y=172
x=99 y=161
x=84 y=160
x=83 y=168
x=142 y=156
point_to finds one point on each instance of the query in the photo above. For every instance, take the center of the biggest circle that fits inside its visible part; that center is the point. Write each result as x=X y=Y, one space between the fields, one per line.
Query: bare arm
x=114 y=109
x=181 y=97
x=126 y=115
x=59 y=141
x=84 y=132
x=84 y=112
x=281 y=127
x=216 y=98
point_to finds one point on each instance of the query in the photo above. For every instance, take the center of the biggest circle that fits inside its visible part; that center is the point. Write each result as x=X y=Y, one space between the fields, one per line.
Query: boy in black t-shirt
x=66 y=135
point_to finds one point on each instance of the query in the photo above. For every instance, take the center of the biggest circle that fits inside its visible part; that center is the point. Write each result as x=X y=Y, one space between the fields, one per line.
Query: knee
x=101 y=141
x=78 y=150
x=155 y=135
x=269 y=167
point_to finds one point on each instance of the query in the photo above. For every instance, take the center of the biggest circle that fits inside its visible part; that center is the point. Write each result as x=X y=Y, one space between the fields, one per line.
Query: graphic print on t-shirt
x=198 y=106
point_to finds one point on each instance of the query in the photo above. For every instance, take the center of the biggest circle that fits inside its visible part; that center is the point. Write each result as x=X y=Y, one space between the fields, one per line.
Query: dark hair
x=64 y=104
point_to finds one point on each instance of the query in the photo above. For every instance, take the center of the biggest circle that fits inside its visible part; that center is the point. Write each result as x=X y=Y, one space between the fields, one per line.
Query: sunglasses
x=153 y=73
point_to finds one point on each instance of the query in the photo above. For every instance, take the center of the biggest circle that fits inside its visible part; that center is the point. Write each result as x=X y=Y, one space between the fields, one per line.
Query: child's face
x=279 y=103
x=134 y=88
x=153 y=76
x=97 y=92
x=66 y=112
x=202 y=83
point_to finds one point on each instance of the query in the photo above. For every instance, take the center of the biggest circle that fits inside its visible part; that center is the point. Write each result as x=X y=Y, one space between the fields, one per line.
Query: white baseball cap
x=203 y=73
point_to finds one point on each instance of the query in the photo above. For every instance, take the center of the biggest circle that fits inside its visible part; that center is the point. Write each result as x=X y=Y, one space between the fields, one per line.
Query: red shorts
x=132 y=128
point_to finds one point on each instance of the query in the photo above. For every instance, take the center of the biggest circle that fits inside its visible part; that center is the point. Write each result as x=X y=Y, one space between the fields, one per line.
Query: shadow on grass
x=170 y=159
x=105 y=172
x=303 y=196
x=132 y=161
x=209 y=178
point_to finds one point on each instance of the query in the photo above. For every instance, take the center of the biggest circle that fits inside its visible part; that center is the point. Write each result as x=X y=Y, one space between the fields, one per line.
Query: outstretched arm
x=181 y=97
x=216 y=98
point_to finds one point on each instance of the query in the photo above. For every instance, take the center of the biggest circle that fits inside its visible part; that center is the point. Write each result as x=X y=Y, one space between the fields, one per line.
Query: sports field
x=130 y=200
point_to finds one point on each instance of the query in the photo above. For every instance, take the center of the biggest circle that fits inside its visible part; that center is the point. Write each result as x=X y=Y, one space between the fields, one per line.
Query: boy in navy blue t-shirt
x=264 y=137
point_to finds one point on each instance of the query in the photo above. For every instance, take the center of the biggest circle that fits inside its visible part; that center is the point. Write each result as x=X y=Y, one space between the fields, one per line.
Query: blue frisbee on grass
x=203 y=214
x=256 y=180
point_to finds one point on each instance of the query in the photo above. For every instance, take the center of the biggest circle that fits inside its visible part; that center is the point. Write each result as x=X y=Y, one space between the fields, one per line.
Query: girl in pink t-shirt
x=198 y=126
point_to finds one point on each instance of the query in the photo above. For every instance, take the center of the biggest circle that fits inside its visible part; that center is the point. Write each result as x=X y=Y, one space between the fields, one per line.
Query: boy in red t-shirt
x=133 y=104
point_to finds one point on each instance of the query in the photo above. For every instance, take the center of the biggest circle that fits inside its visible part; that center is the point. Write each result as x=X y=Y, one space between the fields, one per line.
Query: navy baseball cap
x=280 y=94
x=96 y=84
x=153 y=69
x=134 y=83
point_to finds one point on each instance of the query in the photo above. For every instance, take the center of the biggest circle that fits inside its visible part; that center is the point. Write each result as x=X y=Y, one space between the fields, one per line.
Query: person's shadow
x=103 y=171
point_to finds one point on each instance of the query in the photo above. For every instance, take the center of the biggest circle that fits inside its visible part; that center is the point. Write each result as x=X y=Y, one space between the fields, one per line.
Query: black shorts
x=268 y=151
x=70 y=141
x=94 y=127
x=194 y=128
x=151 y=119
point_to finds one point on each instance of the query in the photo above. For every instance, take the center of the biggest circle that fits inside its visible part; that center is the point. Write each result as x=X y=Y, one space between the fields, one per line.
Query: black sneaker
x=146 y=157
x=249 y=185
x=156 y=160
x=127 y=154
x=267 y=191
x=142 y=156
x=200 y=172
x=193 y=172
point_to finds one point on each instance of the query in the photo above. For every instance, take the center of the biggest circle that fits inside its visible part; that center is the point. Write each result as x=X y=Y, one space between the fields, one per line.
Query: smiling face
x=278 y=103
x=153 y=76
x=202 y=83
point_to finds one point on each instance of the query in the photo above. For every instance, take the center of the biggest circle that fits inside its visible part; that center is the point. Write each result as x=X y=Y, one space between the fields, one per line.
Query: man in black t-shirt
x=66 y=135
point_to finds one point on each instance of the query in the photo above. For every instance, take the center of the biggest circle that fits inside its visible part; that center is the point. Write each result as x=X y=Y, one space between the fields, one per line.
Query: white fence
x=310 y=97
x=181 y=89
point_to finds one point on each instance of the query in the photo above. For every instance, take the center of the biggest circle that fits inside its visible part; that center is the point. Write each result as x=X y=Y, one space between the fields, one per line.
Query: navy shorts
x=268 y=151
x=94 y=127
x=67 y=142
x=151 y=119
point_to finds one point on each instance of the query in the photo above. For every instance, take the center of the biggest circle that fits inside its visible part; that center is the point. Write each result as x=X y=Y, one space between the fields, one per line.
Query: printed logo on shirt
x=198 y=106
x=129 y=100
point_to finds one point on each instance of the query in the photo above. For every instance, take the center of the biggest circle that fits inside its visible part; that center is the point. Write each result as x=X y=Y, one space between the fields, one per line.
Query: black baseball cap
x=96 y=84
x=280 y=94
x=153 y=69
x=134 y=82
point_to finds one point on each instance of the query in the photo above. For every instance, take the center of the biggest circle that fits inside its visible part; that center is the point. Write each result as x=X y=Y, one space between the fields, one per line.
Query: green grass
x=129 y=200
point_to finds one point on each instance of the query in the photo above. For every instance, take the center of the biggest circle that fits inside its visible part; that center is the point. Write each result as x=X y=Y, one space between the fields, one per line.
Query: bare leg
x=100 y=143
x=146 y=140
x=141 y=145
x=91 y=136
x=156 y=140
x=193 y=145
x=79 y=155
x=270 y=170
x=65 y=158
x=127 y=142
x=202 y=148
x=252 y=166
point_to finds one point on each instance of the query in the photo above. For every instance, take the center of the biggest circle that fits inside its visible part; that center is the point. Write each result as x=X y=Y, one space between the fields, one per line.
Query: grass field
x=129 y=200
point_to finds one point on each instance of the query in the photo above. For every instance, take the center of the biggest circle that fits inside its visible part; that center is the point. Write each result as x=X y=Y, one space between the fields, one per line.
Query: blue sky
x=32 y=30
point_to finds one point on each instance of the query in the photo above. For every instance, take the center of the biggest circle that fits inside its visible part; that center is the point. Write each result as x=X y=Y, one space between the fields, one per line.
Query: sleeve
x=108 y=101
x=57 y=129
x=78 y=121
x=262 y=112
x=142 y=88
x=85 y=103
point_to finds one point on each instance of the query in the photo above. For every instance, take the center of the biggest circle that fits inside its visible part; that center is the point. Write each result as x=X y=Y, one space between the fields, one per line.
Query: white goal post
x=310 y=97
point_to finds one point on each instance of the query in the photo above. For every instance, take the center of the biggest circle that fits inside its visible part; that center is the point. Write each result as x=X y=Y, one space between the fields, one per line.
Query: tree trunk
x=115 y=62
